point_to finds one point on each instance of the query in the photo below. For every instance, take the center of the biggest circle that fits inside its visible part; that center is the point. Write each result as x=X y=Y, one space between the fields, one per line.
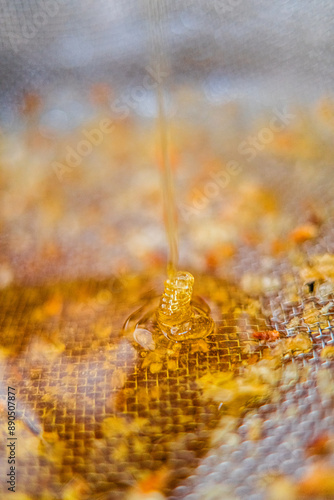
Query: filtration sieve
x=246 y=412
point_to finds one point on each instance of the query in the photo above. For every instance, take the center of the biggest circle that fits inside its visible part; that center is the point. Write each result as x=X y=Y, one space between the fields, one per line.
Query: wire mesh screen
x=248 y=411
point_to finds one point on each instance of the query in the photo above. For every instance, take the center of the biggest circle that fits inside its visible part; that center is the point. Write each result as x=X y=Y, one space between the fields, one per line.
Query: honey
x=177 y=316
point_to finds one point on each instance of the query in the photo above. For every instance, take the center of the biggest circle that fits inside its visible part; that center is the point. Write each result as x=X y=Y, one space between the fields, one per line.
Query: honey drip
x=177 y=316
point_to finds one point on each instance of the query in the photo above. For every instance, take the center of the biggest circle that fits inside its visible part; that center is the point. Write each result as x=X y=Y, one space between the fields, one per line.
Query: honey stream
x=156 y=10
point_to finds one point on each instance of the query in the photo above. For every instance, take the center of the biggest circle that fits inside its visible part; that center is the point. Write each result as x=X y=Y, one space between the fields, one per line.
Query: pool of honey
x=98 y=415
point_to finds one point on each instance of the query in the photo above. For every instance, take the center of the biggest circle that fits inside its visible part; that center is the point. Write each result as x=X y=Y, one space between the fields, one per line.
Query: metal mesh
x=97 y=415
x=300 y=418
x=94 y=417
x=71 y=384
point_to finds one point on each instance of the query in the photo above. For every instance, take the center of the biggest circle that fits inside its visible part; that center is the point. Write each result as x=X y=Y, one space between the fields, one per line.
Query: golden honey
x=177 y=316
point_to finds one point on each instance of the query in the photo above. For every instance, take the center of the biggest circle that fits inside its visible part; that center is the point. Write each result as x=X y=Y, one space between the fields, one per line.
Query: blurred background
x=227 y=48
x=72 y=207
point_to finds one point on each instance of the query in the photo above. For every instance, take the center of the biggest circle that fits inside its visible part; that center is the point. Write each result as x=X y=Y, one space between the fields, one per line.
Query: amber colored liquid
x=156 y=11
x=168 y=190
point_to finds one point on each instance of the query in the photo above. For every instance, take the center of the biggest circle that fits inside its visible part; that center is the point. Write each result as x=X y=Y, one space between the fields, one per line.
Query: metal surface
x=98 y=416
x=302 y=415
